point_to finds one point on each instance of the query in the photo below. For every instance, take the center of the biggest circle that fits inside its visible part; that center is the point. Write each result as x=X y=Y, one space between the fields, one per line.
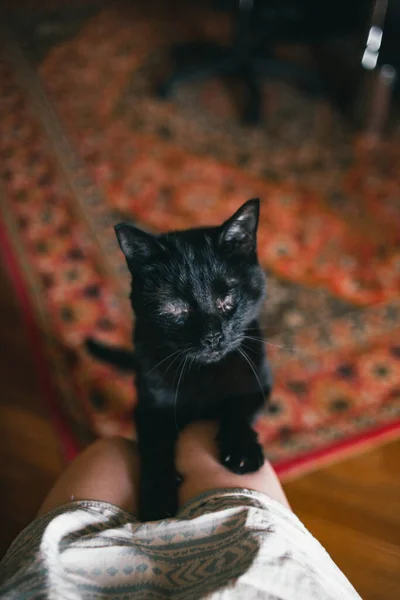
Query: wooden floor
x=353 y=507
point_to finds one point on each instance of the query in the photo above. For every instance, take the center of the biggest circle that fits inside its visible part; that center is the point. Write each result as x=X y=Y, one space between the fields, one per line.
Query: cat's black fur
x=199 y=349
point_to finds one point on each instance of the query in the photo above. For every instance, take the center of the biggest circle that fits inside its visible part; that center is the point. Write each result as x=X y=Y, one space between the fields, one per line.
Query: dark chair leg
x=253 y=108
x=385 y=78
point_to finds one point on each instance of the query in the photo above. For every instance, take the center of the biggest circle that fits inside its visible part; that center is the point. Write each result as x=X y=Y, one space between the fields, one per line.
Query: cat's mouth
x=217 y=354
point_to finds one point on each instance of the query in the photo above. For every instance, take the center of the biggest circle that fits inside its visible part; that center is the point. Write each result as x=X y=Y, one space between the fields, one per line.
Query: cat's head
x=195 y=291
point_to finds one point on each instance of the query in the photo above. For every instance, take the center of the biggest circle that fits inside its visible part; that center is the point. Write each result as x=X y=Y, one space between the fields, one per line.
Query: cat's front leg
x=158 y=480
x=239 y=450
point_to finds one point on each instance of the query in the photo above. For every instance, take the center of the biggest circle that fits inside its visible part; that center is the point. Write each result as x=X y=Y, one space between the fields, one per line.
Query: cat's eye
x=175 y=309
x=225 y=304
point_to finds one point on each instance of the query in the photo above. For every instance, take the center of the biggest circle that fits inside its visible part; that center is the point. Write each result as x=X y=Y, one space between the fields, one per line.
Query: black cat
x=199 y=350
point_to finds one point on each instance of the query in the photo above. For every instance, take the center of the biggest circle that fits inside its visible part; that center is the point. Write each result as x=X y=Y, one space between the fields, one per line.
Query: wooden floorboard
x=29 y=454
x=352 y=507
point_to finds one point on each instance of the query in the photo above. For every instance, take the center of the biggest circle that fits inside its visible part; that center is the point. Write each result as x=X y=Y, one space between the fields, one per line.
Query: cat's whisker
x=277 y=346
x=251 y=365
x=176 y=393
x=261 y=328
x=258 y=339
x=291 y=349
x=174 y=361
x=249 y=348
x=163 y=361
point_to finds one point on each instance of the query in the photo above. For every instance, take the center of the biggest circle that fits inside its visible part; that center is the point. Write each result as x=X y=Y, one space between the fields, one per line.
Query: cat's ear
x=240 y=231
x=137 y=245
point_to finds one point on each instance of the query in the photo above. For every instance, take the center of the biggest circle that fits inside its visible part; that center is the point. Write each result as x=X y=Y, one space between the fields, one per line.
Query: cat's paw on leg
x=240 y=453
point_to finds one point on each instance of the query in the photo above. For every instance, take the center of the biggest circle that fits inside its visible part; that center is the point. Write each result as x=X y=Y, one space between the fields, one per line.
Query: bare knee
x=113 y=448
x=106 y=471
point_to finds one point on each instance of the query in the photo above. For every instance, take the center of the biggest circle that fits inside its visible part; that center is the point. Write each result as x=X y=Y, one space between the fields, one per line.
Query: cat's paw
x=241 y=454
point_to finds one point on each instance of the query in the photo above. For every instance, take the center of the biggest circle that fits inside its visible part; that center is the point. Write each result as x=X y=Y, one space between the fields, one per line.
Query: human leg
x=107 y=471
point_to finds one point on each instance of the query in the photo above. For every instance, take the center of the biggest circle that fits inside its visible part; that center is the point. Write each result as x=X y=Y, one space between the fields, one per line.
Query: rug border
x=67 y=442
x=294 y=468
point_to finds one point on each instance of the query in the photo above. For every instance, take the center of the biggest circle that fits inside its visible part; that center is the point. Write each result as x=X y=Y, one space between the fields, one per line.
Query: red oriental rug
x=85 y=144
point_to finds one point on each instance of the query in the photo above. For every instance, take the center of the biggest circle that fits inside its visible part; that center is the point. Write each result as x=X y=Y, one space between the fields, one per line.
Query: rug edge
x=67 y=441
x=295 y=468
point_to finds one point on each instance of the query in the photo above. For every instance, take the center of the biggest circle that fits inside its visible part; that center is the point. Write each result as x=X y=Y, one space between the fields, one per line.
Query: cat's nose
x=212 y=340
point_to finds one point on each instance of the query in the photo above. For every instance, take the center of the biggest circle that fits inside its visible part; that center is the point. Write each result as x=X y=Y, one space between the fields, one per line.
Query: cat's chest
x=232 y=379
x=200 y=389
